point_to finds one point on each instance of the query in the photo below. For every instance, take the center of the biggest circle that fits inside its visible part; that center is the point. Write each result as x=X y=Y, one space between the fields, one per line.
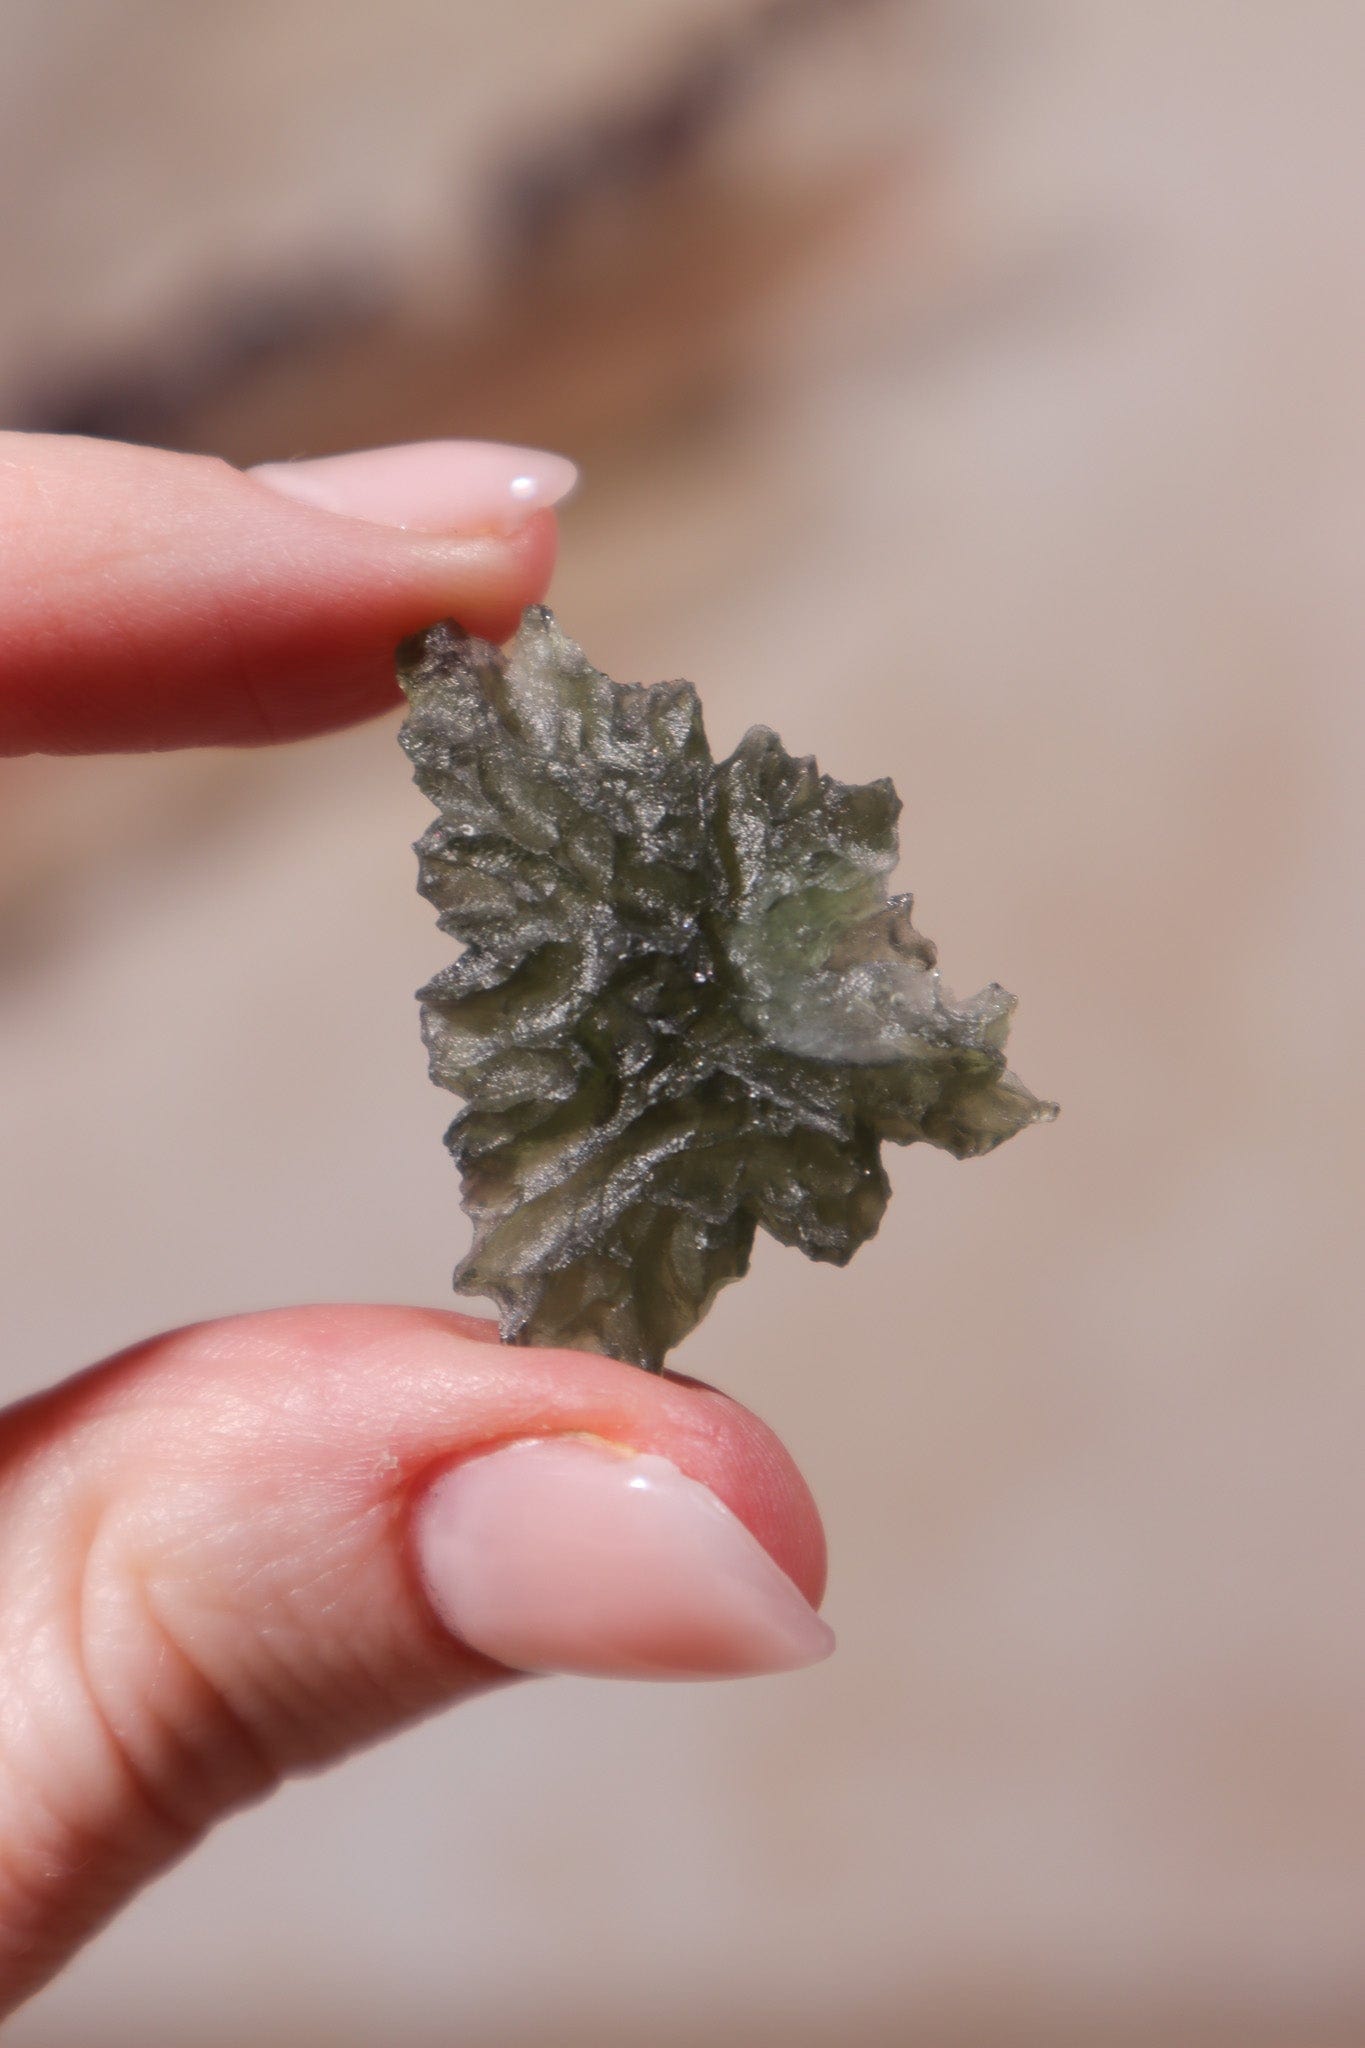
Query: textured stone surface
x=686 y=1007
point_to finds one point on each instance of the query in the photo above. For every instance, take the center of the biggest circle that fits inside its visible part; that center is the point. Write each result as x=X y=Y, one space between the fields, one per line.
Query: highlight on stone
x=686 y=1008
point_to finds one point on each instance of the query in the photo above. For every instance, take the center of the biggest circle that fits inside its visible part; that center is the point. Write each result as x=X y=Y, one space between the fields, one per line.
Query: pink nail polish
x=429 y=486
x=563 y=1554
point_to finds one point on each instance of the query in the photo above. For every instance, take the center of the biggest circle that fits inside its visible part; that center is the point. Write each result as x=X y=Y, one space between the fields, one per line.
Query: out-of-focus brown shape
x=625 y=253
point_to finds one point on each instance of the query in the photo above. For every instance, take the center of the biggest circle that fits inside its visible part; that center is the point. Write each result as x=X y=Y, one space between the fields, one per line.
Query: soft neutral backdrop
x=972 y=391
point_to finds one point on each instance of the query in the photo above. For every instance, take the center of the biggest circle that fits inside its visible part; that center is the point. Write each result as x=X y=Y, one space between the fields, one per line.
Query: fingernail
x=430 y=486
x=563 y=1554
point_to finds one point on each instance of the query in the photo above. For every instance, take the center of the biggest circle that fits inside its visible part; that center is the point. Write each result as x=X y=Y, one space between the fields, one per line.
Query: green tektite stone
x=686 y=1007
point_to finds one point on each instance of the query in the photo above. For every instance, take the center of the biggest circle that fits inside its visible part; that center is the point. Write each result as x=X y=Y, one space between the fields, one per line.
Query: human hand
x=242 y=1549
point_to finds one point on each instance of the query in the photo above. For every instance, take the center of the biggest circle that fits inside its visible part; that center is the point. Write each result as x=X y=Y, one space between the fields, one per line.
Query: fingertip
x=760 y=1480
x=153 y=600
x=449 y=1388
x=489 y=592
x=708 y=1434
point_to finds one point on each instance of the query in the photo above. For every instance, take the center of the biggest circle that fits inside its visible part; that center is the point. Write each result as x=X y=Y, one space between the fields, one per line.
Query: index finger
x=152 y=600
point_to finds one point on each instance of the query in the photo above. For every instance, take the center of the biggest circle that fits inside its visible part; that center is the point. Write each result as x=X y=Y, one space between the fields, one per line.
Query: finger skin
x=156 y=600
x=210 y=1581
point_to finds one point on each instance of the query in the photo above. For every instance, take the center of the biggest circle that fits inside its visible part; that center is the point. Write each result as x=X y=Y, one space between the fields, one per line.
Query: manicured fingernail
x=564 y=1554
x=430 y=486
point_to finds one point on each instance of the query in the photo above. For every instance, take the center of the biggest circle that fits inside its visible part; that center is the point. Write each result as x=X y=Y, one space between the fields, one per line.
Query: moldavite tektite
x=686 y=1005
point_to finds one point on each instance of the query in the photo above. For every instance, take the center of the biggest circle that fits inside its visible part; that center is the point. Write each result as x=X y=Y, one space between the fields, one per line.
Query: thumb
x=243 y=1549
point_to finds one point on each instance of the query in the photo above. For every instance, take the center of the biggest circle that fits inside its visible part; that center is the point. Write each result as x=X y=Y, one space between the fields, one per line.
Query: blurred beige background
x=973 y=390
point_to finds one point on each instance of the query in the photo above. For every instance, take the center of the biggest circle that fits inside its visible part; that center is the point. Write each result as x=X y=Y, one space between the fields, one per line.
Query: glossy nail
x=567 y=1554
x=430 y=486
